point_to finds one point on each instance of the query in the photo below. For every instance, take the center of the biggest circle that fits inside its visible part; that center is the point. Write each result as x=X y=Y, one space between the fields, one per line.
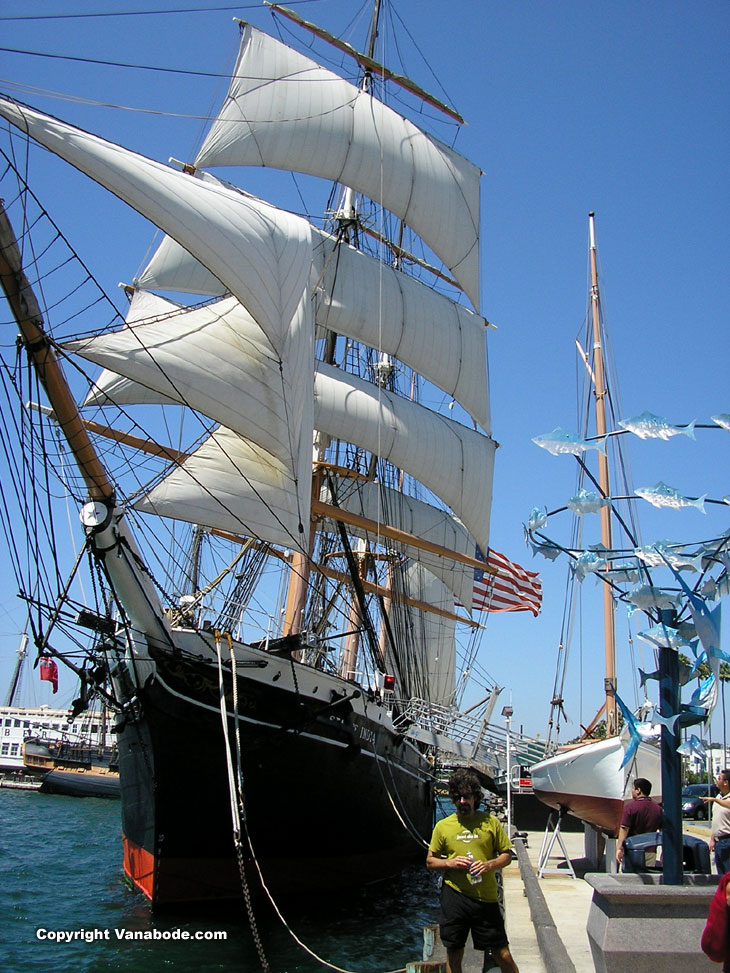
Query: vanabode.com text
x=91 y=935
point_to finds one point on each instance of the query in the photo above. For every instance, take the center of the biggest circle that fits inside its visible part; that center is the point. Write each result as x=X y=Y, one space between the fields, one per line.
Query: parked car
x=692 y=804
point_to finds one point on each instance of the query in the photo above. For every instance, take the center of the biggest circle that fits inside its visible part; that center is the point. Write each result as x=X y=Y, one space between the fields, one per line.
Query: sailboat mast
x=600 y=392
x=15 y=681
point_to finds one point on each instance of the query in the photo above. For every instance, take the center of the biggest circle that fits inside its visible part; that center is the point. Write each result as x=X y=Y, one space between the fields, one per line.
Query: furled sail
x=433 y=636
x=381 y=504
x=327 y=127
x=358 y=296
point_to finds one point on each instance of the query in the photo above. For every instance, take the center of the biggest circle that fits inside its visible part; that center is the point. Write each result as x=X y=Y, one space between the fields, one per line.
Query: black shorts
x=461 y=915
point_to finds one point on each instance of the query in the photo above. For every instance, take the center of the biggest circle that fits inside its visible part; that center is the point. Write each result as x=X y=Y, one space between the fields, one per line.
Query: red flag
x=511 y=589
x=49 y=672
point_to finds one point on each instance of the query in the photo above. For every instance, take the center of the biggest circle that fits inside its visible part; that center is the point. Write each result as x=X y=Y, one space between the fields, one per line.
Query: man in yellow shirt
x=469 y=847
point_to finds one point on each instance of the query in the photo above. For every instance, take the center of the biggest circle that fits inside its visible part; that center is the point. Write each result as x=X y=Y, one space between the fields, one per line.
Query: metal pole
x=672 y=853
x=509 y=784
x=507 y=712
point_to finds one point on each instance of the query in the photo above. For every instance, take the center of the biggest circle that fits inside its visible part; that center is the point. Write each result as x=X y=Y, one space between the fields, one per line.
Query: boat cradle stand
x=552 y=834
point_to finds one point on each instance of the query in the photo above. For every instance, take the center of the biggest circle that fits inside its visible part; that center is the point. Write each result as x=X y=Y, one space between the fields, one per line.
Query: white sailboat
x=592 y=779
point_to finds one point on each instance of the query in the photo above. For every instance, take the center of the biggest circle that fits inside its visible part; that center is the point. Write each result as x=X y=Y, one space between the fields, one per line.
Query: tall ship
x=283 y=463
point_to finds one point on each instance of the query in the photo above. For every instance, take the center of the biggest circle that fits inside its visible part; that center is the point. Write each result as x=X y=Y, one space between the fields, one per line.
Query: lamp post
x=507 y=714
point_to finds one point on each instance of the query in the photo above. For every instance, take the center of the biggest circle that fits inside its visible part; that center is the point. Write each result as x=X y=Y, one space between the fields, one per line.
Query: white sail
x=216 y=225
x=358 y=296
x=327 y=127
x=110 y=388
x=144 y=305
x=452 y=461
x=379 y=503
x=233 y=485
x=394 y=313
x=433 y=634
x=196 y=357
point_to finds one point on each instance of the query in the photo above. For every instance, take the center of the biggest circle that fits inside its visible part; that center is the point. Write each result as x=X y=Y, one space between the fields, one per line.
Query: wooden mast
x=600 y=392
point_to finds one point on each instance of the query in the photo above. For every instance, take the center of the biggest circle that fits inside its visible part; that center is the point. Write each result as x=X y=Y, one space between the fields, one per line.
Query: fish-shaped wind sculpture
x=588 y=563
x=646 y=596
x=587 y=502
x=649 y=426
x=685 y=674
x=550 y=551
x=661 y=495
x=624 y=574
x=693 y=748
x=669 y=722
x=631 y=723
x=713 y=590
x=665 y=552
x=538 y=518
x=705 y=696
x=561 y=441
x=707 y=624
x=663 y=636
x=690 y=625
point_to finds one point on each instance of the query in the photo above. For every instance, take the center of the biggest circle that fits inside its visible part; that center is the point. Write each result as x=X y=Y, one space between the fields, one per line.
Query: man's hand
x=479 y=867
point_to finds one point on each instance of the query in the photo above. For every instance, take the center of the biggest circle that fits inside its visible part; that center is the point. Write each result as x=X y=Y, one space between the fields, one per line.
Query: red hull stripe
x=139 y=866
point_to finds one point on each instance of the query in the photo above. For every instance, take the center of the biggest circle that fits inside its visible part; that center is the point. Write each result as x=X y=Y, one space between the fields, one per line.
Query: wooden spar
x=376 y=589
x=368 y=586
x=126 y=438
x=322 y=509
x=26 y=311
x=319 y=508
x=405 y=255
x=600 y=392
x=366 y=62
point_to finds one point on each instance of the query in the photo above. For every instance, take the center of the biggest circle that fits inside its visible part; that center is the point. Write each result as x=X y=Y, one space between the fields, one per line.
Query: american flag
x=510 y=589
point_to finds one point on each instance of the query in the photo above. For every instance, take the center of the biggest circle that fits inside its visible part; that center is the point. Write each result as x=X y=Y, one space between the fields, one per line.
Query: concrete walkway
x=536 y=940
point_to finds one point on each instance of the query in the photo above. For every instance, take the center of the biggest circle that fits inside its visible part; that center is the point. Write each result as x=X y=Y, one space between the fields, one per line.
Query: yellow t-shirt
x=484 y=836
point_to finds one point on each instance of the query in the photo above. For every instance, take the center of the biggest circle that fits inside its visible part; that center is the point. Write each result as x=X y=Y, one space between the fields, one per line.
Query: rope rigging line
x=407 y=825
x=239 y=819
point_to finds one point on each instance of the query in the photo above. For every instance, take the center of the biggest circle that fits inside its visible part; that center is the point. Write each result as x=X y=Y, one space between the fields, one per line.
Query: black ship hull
x=75 y=783
x=332 y=798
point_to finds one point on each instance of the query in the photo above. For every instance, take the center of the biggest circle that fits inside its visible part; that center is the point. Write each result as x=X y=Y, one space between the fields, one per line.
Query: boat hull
x=589 y=782
x=326 y=793
x=75 y=783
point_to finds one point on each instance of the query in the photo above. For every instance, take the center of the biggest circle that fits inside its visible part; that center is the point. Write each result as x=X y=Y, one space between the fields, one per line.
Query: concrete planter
x=637 y=924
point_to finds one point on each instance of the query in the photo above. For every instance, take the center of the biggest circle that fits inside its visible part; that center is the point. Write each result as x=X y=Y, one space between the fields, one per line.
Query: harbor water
x=65 y=906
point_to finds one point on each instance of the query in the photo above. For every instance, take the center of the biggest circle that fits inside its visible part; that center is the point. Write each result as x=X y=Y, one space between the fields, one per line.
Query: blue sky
x=620 y=108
